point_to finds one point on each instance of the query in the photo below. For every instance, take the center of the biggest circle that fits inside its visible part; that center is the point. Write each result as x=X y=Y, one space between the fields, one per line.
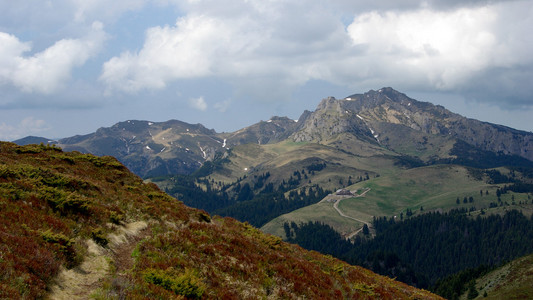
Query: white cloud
x=267 y=49
x=198 y=103
x=28 y=126
x=444 y=50
x=222 y=106
x=271 y=48
x=169 y=53
x=47 y=71
x=253 y=41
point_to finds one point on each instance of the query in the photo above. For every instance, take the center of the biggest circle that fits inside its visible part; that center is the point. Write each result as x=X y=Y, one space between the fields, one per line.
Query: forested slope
x=426 y=249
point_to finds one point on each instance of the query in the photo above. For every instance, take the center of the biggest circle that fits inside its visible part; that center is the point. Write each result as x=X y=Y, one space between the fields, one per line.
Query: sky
x=69 y=67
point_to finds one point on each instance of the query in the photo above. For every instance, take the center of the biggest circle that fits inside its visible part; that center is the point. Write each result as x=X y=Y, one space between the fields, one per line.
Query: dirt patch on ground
x=80 y=282
x=122 y=255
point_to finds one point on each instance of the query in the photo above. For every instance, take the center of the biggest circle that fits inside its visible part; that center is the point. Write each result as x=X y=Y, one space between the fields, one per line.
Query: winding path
x=336 y=206
x=80 y=282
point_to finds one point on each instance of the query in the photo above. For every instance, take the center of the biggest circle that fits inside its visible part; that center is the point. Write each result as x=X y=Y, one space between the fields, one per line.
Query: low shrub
x=116 y=218
x=203 y=217
x=99 y=237
x=187 y=284
x=63 y=244
x=6 y=172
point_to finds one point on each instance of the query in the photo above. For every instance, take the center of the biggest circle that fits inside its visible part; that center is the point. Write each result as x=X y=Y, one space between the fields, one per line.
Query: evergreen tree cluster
x=471 y=156
x=186 y=189
x=443 y=244
x=455 y=285
x=264 y=207
x=517 y=187
x=496 y=177
x=316 y=167
x=256 y=202
x=317 y=236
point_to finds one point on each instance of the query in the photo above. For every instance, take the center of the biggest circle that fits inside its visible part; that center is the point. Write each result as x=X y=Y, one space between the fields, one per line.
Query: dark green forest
x=427 y=250
x=256 y=203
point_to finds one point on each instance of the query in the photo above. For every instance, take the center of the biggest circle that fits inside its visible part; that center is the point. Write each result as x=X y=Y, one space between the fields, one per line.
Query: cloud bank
x=279 y=45
x=444 y=50
x=47 y=71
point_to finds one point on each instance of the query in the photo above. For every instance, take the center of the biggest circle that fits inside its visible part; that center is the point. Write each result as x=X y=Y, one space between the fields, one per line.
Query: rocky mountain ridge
x=379 y=115
x=384 y=121
x=436 y=120
x=151 y=148
x=265 y=132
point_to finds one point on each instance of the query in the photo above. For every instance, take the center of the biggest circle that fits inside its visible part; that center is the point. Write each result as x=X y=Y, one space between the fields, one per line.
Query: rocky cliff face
x=436 y=120
x=331 y=119
x=385 y=115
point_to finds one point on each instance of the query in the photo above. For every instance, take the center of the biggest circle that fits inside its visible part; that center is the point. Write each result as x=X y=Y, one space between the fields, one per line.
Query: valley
x=413 y=155
x=432 y=188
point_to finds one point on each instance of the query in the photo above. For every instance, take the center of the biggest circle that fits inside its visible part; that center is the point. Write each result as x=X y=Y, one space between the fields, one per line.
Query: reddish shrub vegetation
x=50 y=201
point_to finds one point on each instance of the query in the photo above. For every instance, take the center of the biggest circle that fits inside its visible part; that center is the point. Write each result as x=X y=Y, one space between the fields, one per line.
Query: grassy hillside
x=275 y=178
x=511 y=281
x=283 y=158
x=431 y=188
x=81 y=226
x=322 y=212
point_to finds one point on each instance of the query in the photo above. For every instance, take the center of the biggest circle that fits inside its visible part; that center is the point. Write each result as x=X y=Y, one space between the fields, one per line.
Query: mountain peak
x=378 y=116
x=386 y=94
x=329 y=103
x=273 y=130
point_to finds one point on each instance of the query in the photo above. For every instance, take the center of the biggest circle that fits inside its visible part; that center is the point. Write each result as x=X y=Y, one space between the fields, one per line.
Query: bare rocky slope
x=386 y=115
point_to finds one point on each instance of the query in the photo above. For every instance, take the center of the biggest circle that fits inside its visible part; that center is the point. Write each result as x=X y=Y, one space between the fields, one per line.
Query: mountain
x=34 y=140
x=172 y=147
x=76 y=225
x=365 y=141
x=149 y=148
x=384 y=122
x=272 y=131
x=410 y=127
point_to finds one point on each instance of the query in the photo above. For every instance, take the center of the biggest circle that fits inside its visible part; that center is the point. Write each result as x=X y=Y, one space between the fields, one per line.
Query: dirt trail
x=336 y=206
x=82 y=281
